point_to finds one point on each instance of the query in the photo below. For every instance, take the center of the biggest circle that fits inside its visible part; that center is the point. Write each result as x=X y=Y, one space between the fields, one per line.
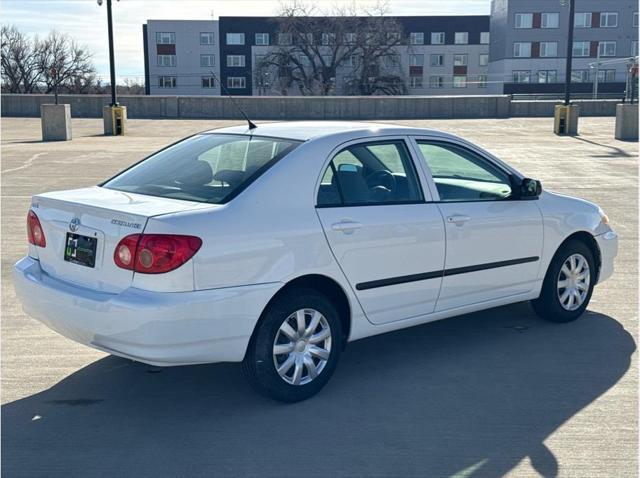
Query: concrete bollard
x=56 y=122
x=114 y=119
x=627 y=121
x=566 y=119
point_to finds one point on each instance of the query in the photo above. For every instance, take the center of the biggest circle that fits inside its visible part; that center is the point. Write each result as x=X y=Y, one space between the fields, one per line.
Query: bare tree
x=312 y=50
x=27 y=63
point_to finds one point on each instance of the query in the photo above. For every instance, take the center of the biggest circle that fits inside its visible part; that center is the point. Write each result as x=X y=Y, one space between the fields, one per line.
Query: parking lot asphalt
x=494 y=393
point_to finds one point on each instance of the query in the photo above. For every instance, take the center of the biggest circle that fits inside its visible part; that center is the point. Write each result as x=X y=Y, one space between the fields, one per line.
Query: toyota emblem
x=74 y=224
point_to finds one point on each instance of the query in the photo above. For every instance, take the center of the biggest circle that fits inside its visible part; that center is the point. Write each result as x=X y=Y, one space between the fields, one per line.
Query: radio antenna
x=251 y=124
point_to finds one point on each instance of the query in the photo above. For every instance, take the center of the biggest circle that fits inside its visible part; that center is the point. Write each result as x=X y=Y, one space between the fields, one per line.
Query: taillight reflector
x=155 y=253
x=35 y=234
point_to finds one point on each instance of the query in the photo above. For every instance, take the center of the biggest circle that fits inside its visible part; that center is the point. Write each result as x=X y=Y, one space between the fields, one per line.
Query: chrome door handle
x=346 y=226
x=458 y=220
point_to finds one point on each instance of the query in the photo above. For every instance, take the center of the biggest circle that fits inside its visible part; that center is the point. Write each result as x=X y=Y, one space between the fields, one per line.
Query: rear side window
x=210 y=168
x=368 y=174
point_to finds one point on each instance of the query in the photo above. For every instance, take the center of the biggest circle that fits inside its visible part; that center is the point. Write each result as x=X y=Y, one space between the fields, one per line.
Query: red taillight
x=35 y=234
x=155 y=253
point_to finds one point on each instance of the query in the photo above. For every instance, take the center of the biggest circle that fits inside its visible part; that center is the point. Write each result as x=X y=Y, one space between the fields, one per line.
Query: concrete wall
x=296 y=107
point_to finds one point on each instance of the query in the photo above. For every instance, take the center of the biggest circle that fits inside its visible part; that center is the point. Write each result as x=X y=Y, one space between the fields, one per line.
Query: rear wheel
x=568 y=285
x=296 y=347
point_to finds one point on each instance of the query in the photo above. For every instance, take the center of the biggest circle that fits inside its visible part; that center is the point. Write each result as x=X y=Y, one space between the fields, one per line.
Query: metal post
x=567 y=78
x=112 y=64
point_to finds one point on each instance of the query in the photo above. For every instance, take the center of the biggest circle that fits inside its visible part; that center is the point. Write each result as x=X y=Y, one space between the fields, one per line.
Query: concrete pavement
x=494 y=393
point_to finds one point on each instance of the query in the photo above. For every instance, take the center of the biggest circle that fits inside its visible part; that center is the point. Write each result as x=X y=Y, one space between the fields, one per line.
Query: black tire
x=259 y=367
x=548 y=305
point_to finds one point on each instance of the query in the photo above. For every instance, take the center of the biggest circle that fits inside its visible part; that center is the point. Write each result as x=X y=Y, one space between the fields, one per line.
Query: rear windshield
x=210 y=168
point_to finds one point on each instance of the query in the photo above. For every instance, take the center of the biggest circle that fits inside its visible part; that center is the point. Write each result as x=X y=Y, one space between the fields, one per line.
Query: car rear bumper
x=163 y=329
x=608 y=244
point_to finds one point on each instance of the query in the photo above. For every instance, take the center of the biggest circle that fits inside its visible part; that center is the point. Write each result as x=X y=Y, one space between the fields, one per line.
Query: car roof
x=308 y=130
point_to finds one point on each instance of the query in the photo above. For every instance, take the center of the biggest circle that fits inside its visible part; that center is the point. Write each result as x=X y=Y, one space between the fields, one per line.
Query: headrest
x=232 y=177
x=197 y=175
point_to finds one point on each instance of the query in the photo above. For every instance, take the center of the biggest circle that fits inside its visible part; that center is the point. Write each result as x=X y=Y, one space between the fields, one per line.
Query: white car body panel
x=271 y=234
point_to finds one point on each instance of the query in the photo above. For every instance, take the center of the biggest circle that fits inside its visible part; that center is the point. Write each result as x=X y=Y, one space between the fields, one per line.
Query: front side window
x=524 y=20
x=370 y=173
x=165 y=38
x=262 y=39
x=461 y=38
x=608 y=19
x=607 y=48
x=547 y=76
x=606 y=76
x=522 y=49
x=416 y=38
x=581 y=48
x=580 y=76
x=207 y=168
x=437 y=60
x=437 y=38
x=582 y=20
x=416 y=60
x=207 y=38
x=208 y=82
x=235 y=38
x=436 y=81
x=236 y=82
x=521 y=76
x=207 y=60
x=548 y=49
x=484 y=59
x=459 y=81
x=415 y=81
x=460 y=60
x=235 y=60
x=166 y=82
x=462 y=175
x=166 y=60
x=484 y=38
x=549 y=20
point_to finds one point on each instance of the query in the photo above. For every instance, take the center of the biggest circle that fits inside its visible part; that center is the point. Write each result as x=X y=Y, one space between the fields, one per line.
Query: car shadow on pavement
x=472 y=396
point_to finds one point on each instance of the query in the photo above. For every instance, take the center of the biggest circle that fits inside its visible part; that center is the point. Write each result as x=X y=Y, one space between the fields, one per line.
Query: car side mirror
x=530 y=188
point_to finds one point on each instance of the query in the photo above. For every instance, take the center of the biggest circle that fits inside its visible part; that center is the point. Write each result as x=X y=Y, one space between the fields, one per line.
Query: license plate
x=80 y=250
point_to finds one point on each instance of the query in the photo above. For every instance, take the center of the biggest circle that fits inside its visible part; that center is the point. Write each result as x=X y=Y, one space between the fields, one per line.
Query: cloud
x=87 y=22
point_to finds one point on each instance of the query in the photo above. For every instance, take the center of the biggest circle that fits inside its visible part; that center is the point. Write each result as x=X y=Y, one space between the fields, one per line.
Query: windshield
x=211 y=168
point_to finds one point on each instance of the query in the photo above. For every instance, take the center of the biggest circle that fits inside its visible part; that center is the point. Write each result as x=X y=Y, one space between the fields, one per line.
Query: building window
x=484 y=38
x=548 y=49
x=581 y=48
x=416 y=60
x=482 y=81
x=459 y=81
x=416 y=38
x=165 y=38
x=415 y=81
x=460 y=60
x=549 y=20
x=606 y=76
x=635 y=19
x=207 y=60
x=634 y=48
x=461 y=38
x=524 y=20
x=582 y=20
x=236 y=82
x=235 y=60
x=437 y=60
x=350 y=38
x=328 y=38
x=607 y=48
x=580 y=76
x=608 y=19
x=484 y=59
x=351 y=61
x=207 y=38
x=392 y=60
x=304 y=60
x=262 y=39
x=393 y=38
x=208 y=82
x=522 y=50
x=521 y=76
x=284 y=39
x=235 y=38
x=436 y=82
x=167 y=82
x=166 y=60
x=437 y=38
x=547 y=76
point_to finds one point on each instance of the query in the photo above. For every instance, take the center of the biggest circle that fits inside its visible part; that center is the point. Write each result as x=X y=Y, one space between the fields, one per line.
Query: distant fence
x=306 y=107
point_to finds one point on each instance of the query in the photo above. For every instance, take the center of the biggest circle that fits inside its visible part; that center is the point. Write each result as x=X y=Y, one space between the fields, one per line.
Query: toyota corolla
x=274 y=246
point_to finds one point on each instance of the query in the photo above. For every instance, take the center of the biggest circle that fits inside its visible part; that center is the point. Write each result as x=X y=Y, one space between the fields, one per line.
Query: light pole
x=112 y=65
x=567 y=75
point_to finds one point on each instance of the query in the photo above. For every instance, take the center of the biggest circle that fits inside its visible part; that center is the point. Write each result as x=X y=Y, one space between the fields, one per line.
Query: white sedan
x=276 y=246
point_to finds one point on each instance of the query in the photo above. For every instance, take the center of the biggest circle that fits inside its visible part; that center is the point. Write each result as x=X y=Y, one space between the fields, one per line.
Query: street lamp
x=112 y=66
x=567 y=77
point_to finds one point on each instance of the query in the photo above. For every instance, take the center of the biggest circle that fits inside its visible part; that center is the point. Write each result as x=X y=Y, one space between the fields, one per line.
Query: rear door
x=385 y=235
x=494 y=241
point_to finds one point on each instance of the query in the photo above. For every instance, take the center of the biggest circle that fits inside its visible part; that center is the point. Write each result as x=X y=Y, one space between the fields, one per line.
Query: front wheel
x=296 y=347
x=568 y=285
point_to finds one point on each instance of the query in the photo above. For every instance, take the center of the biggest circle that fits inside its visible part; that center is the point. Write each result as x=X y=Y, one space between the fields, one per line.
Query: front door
x=494 y=241
x=388 y=241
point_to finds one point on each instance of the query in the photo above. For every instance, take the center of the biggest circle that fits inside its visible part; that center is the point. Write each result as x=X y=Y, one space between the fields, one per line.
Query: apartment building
x=529 y=44
x=180 y=55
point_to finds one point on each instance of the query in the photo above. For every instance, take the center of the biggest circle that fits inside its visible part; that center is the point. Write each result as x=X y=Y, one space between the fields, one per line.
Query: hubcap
x=573 y=282
x=302 y=346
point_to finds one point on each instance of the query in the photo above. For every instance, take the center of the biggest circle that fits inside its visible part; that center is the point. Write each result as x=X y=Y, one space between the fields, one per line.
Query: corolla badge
x=74 y=224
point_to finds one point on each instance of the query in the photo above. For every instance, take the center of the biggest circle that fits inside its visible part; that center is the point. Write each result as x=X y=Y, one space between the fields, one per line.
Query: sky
x=85 y=21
